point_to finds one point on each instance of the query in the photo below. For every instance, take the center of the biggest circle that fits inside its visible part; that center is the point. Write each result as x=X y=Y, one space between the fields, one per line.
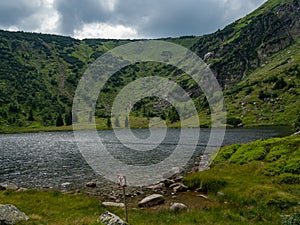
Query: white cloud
x=46 y=19
x=96 y=30
x=38 y=16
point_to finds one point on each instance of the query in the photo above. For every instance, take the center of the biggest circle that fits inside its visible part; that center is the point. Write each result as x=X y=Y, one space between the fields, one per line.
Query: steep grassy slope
x=269 y=95
x=255 y=59
x=246 y=44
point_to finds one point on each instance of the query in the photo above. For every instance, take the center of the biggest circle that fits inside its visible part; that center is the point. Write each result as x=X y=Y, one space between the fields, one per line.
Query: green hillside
x=255 y=59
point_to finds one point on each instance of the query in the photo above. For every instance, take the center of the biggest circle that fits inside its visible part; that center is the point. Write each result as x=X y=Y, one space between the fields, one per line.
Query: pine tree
x=30 y=115
x=59 y=121
x=68 y=118
x=126 y=122
x=108 y=122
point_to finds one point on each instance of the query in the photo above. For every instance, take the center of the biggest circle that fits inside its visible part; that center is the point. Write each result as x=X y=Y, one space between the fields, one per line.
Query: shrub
x=292 y=166
x=226 y=153
x=234 y=121
x=280 y=84
x=248 y=153
x=275 y=153
x=207 y=183
x=281 y=200
x=288 y=178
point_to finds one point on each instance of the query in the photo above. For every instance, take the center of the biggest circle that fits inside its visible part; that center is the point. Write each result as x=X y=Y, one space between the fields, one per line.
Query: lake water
x=39 y=160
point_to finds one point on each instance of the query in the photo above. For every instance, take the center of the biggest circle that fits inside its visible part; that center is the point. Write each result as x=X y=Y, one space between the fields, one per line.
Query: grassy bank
x=255 y=183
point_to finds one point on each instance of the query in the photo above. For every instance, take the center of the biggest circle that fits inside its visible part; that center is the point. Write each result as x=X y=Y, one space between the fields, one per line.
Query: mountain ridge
x=39 y=72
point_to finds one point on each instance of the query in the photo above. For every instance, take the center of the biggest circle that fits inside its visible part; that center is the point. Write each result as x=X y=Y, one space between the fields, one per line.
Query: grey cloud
x=157 y=18
x=13 y=12
x=150 y=18
x=175 y=18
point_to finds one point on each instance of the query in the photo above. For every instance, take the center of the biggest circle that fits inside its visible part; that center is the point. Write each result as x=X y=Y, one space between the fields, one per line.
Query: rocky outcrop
x=152 y=200
x=245 y=45
x=9 y=214
x=109 y=218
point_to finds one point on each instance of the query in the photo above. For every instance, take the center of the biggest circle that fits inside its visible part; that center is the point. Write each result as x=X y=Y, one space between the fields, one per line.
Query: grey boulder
x=152 y=200
x=9 y=214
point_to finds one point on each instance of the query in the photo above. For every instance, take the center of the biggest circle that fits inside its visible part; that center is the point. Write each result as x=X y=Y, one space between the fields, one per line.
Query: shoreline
x=288 y=129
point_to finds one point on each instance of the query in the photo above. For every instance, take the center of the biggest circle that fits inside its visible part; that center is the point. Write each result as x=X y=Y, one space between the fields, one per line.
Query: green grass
x=51 y=207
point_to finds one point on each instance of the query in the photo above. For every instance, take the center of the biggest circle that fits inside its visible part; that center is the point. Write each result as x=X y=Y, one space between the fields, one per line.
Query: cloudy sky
x=122 y=18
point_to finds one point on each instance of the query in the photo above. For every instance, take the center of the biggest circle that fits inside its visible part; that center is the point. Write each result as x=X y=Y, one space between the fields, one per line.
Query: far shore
x=14 y=130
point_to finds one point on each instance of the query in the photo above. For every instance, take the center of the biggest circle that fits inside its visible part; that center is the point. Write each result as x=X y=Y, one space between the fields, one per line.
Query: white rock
x=152 y=200
x=113 y=204
x=177 y=207
x=65 y=184
x=109 y=218
x=179 y=187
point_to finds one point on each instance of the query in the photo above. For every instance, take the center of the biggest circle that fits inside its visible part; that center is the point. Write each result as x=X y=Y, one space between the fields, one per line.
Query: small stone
x=91 y=184
x=64 y=185
x=178 y=207
x=168 y=182
x=113 y=198
x=220 y=193
x=197 y=164
x=113 y=204
x=152 y=200
x=140 y=192
x=157 y=187
x=179 y=187
x=178 y=178
x=202 y=196
x=22 y=189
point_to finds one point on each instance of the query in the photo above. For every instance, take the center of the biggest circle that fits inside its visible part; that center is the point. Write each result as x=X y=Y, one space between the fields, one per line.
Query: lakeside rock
x=179 y=187
x=9 y=214
x=8 y=186
x=152 y=200
x=168 y=182
x=156 y=187
x=113 y=204
x=109 y=218
x=65 y=185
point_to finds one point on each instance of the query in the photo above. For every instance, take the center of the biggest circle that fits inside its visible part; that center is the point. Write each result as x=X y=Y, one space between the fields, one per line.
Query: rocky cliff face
x=243 y=46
